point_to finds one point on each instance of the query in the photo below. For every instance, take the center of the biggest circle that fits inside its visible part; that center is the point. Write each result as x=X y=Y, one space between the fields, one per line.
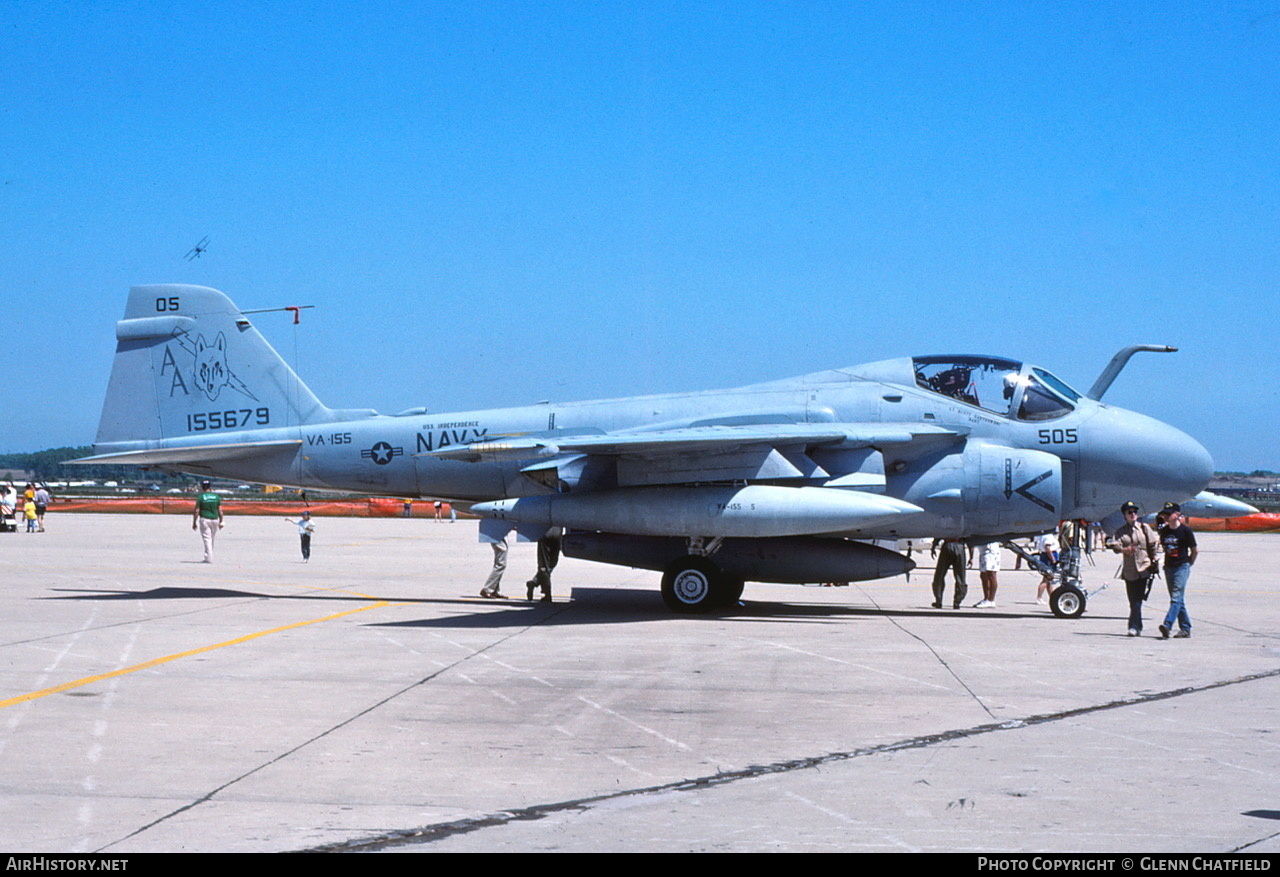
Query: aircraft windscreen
x=1045 y=397
x=1061 y=386
x=986 y=381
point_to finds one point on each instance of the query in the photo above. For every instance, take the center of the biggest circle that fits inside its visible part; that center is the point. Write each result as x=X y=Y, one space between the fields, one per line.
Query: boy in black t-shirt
x=1179 y=543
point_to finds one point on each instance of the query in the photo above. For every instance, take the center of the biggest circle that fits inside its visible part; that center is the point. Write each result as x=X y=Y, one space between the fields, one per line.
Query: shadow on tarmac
x=587 y=606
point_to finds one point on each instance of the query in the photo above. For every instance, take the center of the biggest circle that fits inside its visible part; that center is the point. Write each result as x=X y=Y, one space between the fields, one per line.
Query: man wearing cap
x=1179 y=545
x=1139 y=546
x=207 y=518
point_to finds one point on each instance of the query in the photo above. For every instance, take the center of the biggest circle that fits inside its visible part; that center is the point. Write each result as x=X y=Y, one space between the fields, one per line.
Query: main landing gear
x=693 y=583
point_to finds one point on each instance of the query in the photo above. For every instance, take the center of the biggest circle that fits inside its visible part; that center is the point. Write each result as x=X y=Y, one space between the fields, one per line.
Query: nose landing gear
x=1067 y=598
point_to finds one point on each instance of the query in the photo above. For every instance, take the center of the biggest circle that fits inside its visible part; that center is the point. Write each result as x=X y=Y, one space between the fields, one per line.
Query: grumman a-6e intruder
x=787 y=481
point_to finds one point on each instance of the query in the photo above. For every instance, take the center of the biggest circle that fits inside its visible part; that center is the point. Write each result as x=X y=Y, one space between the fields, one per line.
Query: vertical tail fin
x=189 y=364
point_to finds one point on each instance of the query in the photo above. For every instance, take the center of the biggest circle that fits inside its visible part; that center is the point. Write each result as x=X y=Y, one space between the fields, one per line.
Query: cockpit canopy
x=1000 y=386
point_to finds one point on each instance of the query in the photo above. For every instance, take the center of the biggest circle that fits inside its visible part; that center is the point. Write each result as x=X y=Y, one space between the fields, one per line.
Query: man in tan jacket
x=1139 y=547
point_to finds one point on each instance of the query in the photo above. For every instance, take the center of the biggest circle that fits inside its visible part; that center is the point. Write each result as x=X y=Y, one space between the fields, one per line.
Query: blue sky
x=496 y=203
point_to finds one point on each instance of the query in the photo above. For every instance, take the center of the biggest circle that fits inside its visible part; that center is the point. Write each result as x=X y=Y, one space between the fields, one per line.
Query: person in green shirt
x=207 y=518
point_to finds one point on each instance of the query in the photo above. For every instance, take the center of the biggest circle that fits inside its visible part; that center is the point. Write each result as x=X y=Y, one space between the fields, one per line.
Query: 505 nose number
x=1058 y=437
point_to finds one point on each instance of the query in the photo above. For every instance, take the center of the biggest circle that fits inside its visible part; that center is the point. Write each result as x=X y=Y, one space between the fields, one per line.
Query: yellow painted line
x=155 y=662
x=306 y=588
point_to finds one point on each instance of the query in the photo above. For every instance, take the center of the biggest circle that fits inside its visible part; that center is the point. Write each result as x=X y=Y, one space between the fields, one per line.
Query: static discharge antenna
x=296 y=310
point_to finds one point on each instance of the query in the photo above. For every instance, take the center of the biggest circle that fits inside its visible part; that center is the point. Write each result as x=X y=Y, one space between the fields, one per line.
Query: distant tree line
x=50 y=465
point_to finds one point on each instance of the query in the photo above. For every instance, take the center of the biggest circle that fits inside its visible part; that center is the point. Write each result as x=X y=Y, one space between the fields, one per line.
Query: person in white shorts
x=988 y=566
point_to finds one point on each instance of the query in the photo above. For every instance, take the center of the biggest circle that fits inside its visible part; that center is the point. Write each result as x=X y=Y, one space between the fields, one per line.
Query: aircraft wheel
x=1067 y=602
x=732 y=591
x=692 y=584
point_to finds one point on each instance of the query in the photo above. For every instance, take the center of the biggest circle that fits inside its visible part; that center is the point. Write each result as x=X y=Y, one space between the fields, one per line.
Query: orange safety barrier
x=1262 y=522
x=388 y=507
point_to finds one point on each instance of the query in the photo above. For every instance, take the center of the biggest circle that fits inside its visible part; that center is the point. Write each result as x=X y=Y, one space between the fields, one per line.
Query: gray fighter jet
x=788 y=481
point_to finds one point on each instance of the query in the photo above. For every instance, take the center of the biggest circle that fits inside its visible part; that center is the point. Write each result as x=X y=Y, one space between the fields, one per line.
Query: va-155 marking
x=786 y=481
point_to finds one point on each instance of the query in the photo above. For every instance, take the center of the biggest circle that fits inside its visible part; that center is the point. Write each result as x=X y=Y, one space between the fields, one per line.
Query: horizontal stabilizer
x=187 y=455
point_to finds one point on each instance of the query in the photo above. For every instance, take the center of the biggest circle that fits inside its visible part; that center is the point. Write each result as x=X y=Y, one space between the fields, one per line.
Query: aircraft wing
x=693 y=438
x=846 y=454
x=707 y=439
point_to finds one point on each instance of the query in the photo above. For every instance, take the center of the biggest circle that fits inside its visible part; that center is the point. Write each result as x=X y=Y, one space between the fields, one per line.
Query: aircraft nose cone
x=1185 y=464
x=1190 y=462
x=1132 y=457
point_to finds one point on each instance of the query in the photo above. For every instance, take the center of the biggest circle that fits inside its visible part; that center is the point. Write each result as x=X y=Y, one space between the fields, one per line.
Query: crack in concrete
x=440 y=831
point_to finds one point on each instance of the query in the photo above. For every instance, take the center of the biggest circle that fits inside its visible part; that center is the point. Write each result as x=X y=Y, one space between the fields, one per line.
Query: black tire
x=1067 y=602
x=692 y=584
x=732 y=591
